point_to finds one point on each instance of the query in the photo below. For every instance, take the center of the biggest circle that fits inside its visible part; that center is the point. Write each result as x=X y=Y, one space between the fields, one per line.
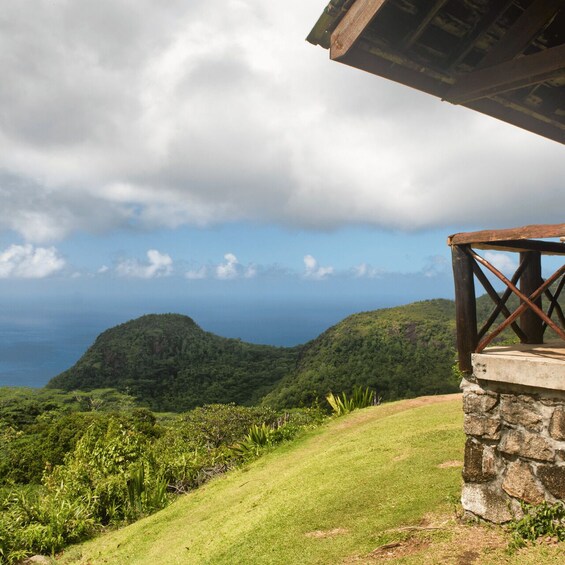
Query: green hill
x=400 y=352
x=170 y=363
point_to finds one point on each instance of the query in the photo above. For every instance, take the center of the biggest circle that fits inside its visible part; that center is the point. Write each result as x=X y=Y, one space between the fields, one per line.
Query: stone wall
x=515 y=448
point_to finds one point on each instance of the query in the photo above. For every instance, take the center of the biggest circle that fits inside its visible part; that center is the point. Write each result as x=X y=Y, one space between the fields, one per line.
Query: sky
x=203 y=150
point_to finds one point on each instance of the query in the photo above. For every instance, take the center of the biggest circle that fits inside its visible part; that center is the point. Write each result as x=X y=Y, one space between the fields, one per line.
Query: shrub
x=360 y=398
x=542 y=520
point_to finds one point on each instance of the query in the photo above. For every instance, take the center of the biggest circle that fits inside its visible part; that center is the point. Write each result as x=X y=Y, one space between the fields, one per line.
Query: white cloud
x=120 y=117
x=157 y=265
x=29 y=262
x=197 y=274
x=504 y=262
x=367 y=271
x=229 y=269
x=313 y=271
x=250 y=272
x=436 y=265
x=103 y=269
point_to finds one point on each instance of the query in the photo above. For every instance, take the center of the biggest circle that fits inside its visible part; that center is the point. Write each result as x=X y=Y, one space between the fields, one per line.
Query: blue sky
x=203 y=150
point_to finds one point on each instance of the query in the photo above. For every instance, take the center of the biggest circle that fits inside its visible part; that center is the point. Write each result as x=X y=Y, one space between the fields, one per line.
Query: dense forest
x=400 y=352
x=169 y=363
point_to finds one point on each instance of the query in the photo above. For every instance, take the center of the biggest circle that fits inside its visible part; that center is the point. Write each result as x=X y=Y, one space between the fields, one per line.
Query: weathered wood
x=554 y=304
x=536 y=231
x=530 y=281
x=544 y=247
x=369 y=62
x=499 y=302
x=411 y=38
x=509 y=75
x=524 y=30
x=494 y=11
x=353 y=24
x=547 y=124
x=527 y=302
x=465 y=306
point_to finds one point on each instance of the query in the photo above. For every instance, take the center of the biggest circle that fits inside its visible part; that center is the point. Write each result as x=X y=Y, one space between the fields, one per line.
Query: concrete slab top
x=554 y=350
x=537 y=366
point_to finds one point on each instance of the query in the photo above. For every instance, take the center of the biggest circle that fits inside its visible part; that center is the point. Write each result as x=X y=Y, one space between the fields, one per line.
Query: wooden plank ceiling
x=504 y=58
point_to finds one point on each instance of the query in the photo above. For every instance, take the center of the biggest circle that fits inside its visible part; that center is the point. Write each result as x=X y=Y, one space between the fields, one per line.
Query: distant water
x=37 y=345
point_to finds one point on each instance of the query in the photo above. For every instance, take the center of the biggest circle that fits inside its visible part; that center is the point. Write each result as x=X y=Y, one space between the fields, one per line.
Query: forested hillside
x=171 y=364
x=400 y=352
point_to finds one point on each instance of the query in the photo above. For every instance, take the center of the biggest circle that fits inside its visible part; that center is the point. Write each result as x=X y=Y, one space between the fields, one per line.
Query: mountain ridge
x=171 y=364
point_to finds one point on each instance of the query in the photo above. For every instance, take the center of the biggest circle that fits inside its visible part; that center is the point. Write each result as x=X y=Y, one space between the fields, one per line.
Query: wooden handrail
x=534 y=320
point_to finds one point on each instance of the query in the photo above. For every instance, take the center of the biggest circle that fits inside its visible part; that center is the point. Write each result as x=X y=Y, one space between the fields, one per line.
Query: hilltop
x=170 y=363
x=400 y=352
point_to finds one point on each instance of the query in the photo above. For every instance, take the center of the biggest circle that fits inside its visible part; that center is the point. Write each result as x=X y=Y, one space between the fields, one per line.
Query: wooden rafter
x=548 y=125
x=352 y=25
x=430 y=15
x=366 y=61
x=509 y=75
x=495 y=10
x=526 y=28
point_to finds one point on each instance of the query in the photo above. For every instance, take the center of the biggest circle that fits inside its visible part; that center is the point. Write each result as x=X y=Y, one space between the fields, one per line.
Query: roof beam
x=525 y=29
x=521 y=117
x=353 y=24
x=415 y=35
x=495 y=10
x=510 y=75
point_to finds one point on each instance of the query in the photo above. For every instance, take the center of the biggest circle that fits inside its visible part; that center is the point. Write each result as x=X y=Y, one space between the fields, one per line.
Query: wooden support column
x=465 y=306
x=530 y=281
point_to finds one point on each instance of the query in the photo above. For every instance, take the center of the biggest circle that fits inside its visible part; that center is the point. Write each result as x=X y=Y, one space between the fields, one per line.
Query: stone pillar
x=515 y=447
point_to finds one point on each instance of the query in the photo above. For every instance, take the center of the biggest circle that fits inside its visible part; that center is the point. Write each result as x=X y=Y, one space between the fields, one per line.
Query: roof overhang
x=503 y=58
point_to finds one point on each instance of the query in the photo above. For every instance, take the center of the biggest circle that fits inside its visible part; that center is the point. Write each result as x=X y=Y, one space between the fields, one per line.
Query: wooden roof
x=504 y=58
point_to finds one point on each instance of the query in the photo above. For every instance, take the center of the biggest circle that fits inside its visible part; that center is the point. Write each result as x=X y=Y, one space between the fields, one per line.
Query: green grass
x=371 y=471
x=332 y=497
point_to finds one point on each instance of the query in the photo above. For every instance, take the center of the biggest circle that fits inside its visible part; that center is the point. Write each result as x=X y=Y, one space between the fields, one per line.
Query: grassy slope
x=351 y=475
x=333 y=497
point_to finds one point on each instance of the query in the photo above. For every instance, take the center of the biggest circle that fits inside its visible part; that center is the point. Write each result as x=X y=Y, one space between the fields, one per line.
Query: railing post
x=465 y=306
x=530 y=281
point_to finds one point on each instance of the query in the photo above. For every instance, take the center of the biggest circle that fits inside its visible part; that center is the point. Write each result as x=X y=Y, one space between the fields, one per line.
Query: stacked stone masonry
x=515 y=449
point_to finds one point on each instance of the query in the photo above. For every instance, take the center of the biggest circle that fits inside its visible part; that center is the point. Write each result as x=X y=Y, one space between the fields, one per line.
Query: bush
x=538 y=521
x=122 y=467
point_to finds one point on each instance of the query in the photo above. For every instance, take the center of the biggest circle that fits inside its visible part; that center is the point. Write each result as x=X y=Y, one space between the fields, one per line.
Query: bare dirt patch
x=450 y=464
x=390 y=551
x=446 y=541
x=326 y=534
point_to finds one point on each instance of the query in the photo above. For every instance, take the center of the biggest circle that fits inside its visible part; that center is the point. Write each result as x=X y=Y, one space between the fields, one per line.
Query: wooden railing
x=529 y=320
